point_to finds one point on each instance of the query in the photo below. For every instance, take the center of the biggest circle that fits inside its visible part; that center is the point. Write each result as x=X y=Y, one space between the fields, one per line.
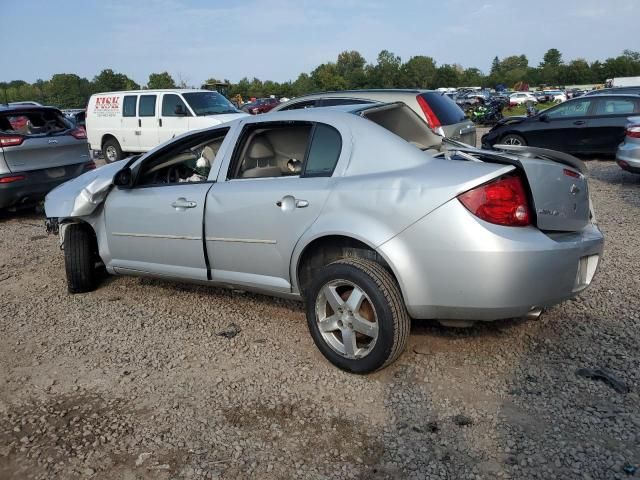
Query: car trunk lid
x=557 y=183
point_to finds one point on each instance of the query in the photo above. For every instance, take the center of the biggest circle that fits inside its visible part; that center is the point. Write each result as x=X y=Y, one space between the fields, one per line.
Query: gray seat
x=259 y=160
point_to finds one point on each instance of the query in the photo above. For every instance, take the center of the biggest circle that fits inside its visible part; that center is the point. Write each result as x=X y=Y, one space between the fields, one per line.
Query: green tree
x=553 y=58
x=67 y=90
x=418 y=72
x=160 y=80
x=386 y=72
x=109 y=81
x=350 y=66
x=447 y=76
x=326 y=77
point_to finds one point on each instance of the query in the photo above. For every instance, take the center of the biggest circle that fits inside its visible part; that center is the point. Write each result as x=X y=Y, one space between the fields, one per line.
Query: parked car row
x=584 y=125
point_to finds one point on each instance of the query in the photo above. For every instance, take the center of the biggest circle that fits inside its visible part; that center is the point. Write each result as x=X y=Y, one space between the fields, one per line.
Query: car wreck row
x=333 y=206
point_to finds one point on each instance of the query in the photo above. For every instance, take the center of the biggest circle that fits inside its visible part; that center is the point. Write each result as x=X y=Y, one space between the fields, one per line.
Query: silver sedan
x=361 y=211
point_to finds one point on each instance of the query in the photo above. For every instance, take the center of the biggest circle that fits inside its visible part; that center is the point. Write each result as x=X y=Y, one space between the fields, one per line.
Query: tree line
x=349 y=71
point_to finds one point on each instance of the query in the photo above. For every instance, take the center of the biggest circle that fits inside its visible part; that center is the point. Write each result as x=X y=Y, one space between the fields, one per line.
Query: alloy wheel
x=346 y=319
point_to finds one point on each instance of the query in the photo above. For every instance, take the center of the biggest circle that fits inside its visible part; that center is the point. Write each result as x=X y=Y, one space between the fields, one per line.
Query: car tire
x=80 y=255
x=111 y=151
x=381 y=300
x=512 y=139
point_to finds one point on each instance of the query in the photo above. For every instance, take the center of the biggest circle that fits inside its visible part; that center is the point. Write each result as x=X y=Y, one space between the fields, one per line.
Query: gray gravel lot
x=133 y=381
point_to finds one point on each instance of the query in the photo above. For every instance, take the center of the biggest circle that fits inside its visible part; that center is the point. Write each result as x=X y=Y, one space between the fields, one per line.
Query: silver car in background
x=439 y=111
x=628 y=154
x=361 y=211
x=39 y=149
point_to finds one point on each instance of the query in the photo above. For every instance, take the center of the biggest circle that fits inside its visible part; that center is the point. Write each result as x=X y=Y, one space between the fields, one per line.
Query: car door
x=174 y=117
x=273 y=190
x=129 y=137
x=148 y=122
x=156 y=225
x=563 y=127
x=607 y=127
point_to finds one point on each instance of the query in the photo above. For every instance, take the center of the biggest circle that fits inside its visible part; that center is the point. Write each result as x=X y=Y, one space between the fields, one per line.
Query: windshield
x=209 y=103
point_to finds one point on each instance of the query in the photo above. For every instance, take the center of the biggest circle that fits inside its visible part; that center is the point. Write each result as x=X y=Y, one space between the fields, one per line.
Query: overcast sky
x=278 y=39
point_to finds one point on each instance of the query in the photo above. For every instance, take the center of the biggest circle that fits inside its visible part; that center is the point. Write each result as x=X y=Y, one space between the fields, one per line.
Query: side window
x=172 y=104
x=301 y=105
x=617 y=106
x=186 y=161
x=578 y=108
x=324 y=152
x=330 y=102
x=271 y=151
x=147 y=105
x=129 y=105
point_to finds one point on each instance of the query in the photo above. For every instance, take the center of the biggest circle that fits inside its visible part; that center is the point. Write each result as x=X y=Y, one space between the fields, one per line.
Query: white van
x=120 y=123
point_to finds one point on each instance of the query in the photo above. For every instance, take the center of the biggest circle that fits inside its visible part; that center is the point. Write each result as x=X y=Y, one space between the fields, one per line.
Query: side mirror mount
x=124 y=178
x=544 y=117
x=180 y=111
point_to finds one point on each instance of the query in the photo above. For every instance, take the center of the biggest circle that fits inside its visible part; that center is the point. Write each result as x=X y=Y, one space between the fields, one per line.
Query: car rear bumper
x=628 y=157
x=37 y=183
x=452 y=265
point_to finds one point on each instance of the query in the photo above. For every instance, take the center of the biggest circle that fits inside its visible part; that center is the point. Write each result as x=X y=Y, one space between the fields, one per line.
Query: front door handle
x=139 y=123
x=579 y=122
x=301 y=204
x=182 y=204
x=159 y=122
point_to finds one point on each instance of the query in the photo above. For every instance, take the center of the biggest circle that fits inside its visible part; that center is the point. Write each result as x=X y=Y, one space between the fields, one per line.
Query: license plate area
x=56 y=172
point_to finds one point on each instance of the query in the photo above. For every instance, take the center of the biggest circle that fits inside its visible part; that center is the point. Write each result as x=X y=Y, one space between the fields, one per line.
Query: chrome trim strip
x=240 y=240
x=150 y=235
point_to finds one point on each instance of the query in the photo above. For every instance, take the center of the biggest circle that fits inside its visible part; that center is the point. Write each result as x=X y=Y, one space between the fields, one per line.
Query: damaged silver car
x=361 y=211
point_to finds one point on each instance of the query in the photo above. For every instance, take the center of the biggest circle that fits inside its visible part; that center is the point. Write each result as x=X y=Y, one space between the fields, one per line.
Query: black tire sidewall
x=384 y=343
x=113 y=142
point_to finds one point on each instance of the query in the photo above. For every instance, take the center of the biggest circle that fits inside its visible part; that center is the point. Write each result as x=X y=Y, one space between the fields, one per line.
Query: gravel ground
x=133 y=381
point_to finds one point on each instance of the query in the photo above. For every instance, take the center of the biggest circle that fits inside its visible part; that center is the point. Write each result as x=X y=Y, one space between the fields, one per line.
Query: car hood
x=82 y=195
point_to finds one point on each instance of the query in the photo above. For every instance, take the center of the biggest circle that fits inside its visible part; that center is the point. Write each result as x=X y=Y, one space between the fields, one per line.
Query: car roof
x=159 y=90
x=25 y=108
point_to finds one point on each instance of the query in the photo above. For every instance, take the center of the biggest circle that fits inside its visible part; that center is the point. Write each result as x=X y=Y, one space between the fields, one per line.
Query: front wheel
x=356 y=315
x=111 y=151
x=512 y=139
x=80 y=258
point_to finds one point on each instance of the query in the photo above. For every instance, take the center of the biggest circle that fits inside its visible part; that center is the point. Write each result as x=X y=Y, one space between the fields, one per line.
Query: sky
x=278 y=39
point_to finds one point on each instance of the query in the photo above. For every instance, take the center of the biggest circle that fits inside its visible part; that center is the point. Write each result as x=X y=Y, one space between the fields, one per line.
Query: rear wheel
x=80 y=258
x=111 y=151
x=512 y=139
x=356 y=315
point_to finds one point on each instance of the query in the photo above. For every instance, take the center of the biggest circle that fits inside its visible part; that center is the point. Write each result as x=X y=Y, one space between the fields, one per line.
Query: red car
x=261 y=105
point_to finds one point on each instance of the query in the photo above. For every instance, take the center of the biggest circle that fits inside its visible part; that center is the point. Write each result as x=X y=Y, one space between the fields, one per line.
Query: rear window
x=33 y=123
x=447 y=111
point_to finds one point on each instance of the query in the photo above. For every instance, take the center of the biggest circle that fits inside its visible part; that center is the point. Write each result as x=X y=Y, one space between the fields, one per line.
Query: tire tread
x=79 y=259
x=391 y=291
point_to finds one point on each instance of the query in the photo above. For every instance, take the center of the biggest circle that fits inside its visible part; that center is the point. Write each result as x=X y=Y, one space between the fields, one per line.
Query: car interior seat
x=260 y=160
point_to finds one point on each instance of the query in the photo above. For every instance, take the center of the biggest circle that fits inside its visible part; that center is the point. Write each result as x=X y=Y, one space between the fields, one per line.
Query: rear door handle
x=288 y=202
x=139 y=123
x=579 y=122
x=160 y=122
x=182 y=204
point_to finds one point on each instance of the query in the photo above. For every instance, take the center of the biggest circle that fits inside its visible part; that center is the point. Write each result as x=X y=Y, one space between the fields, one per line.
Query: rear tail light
x=633 y=131
x=11 y=140
x=571 y=173
x=432 y=118
x=502 y=201
x=79 y=133
x=11 y=179
x=90 y=165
